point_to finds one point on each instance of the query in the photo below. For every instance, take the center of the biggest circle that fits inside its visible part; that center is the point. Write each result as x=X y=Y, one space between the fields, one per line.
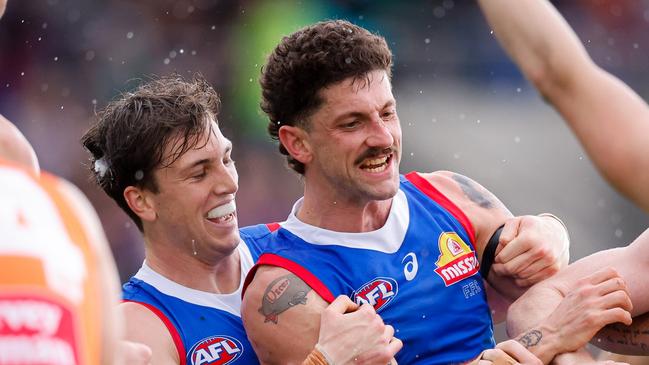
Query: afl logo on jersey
x=378 y=293
x=456 y=260
x=216 y=350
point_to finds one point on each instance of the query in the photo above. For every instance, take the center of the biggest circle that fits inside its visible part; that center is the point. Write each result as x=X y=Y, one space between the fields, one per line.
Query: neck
x=343 y=214
x=221 y=275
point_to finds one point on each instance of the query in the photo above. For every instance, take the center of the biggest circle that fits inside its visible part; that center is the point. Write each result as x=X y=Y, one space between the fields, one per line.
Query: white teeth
x=222 y=210
x=377 y=169
x=378 y=162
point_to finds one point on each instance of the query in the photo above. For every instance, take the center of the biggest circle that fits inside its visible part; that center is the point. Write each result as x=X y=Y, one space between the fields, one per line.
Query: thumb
x=342 y=305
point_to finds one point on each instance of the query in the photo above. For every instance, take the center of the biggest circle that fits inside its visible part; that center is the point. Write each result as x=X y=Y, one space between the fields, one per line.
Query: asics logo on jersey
x=456 y=260
x=216 y=350
x=378 y=293
x=411 y=267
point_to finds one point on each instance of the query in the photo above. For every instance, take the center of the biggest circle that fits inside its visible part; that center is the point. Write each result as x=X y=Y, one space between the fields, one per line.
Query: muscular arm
x=609 y=118
x=530 y=248
x=281 y=315
x=630 y=340
x=285 y=320
x=143 y=326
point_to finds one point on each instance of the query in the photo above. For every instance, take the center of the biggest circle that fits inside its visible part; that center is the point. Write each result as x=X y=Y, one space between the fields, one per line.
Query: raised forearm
x=607 y=116
x=524 y=321
x=536 y=37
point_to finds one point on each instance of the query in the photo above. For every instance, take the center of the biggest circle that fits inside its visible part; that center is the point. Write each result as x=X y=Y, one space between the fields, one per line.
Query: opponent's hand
x=531 y=248
x=350 y=334
x=588 y=305
x=595 y=301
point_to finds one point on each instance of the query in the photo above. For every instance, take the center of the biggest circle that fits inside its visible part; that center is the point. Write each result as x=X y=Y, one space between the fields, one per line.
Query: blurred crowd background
x=463 y=105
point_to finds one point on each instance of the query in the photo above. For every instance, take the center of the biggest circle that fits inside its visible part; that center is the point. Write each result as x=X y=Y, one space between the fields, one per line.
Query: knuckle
x=509 y=268
x=619 y=313
x=592 y=319
x=585 y=291
x=500 y=269
x=542 y=252
x=511 y=220
x=581 y=282
x=342 y=298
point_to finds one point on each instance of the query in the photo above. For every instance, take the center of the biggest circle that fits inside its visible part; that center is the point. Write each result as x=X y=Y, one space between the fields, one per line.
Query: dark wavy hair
x=130 y=137
x=310 y=59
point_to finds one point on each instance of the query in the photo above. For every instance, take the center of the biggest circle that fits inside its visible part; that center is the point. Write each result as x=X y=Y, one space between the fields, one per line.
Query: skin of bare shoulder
x=144 y=326
x=281 y=315
x=483 y=209
x=486 y=213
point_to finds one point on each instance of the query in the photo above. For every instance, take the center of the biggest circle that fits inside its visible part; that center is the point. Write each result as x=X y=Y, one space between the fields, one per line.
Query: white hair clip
x=101 y=167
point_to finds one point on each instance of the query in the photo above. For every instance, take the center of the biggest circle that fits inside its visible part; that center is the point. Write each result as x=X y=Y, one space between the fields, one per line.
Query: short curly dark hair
x=129 y=140
x=310 y=59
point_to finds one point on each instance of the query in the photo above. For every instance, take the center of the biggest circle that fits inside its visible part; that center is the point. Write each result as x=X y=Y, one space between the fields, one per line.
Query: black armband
x=489 y=253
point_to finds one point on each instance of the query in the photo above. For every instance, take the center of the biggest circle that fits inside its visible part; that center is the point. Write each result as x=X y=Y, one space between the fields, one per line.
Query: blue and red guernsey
x=419 y=271
x=206 y=327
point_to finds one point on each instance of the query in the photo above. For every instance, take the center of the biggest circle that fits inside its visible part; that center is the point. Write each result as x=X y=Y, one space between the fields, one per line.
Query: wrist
x=542 y=341
x=317 y=357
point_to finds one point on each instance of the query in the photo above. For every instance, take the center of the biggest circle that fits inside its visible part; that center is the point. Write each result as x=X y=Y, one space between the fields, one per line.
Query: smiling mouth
x=223 y=213
x=376 y=164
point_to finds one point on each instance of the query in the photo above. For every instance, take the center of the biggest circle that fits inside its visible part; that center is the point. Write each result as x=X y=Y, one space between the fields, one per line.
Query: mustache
x=374 y=152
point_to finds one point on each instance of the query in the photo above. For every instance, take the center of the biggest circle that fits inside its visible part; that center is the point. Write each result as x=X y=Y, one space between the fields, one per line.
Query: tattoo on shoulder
x=530 y=338
x=281 y=294
x=471 y=191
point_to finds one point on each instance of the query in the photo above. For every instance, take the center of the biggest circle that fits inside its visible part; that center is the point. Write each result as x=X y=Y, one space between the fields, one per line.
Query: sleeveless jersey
x=50 y=307
x=419 y=271
x=206 y=327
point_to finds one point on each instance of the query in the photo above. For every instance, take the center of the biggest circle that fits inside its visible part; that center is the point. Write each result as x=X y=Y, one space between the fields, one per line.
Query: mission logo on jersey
x=456 y=259
x=216 y=350
x=378 y=293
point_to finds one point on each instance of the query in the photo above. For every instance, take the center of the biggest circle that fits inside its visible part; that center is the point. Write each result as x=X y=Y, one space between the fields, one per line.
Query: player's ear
x=141 y=203
x=296 y=142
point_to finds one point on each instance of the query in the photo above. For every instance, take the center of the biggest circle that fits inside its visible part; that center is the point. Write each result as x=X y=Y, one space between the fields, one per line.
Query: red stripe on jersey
x=427 y=188
x=172 y=329
x=273 y=226
x=297 y=269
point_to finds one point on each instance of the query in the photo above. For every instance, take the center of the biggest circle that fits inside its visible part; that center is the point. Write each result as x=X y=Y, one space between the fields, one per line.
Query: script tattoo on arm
x=471 y=191
x=630 y=337
x=531 y=338
x=281 y=294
